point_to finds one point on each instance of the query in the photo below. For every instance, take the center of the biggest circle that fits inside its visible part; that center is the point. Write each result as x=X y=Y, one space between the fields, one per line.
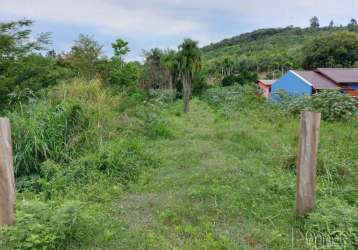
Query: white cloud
x=166 y=22
x=108 y=16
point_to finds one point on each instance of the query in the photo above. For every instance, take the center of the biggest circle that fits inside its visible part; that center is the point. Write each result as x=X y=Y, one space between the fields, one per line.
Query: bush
x=230 y=80
x=243 y=78
x=42 y=226
x=333 y=105
x=72 y=159
x=144 y=117
x=124 y=160
x=46 y=132
x=162 y=96
x=227 y=99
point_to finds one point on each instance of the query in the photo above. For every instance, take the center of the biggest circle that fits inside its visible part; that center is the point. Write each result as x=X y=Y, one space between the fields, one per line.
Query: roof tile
x=317 y=80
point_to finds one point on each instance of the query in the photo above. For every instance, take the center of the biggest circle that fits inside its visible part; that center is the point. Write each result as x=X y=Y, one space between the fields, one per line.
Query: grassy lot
x=98 y=169
x=228 y=182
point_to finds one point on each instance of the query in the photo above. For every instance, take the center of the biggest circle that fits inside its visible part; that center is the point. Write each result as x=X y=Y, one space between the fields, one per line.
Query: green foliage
x=262 y=50
x=124 y=160
x=332 y=225
x=243 y=78
x=218 y=170
x=71 y=164
x=162 y=96
x=333 y=105
x=226 y=180
x=266 y=50
x=189 y=58
x=15 y=40
x=84 y=57
x=147 y=119
x=200 y=83
x=230 y=80
x=159 y=69
x=23 y=72
x=189 y=65
x=120 y=48
x=338 y=49
x=42 y=226
x=124 y=74
x=237 y=97
x=46 y=132
x=33 y=72
x=119 y=73
x=314 y=22
x=353 y=25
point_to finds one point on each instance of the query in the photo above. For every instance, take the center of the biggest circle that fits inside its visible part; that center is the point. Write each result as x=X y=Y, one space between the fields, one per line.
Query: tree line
x=27 y=65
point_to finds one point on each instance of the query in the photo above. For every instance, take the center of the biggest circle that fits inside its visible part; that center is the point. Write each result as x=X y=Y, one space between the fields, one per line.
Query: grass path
x=209 y=191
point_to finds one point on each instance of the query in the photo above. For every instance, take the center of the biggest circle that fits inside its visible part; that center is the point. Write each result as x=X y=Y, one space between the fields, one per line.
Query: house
x=309 y=82
x=265 y=86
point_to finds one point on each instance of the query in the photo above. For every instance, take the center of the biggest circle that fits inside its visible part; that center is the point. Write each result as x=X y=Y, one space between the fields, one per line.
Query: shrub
x=162 y=96
x=230 y=80
x=243 y=78
x=42 y=226
x=46 y=132
x=333 y=105
x=124 y=160
x=146 y=118
x=117 y=162
x=227 y=99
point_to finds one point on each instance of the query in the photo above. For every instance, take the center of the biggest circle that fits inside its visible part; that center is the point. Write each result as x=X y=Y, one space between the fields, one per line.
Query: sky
x=147 y=24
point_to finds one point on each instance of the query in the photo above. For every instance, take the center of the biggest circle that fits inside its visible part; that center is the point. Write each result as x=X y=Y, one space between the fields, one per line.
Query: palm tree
x=169 y=60
x=189 y=61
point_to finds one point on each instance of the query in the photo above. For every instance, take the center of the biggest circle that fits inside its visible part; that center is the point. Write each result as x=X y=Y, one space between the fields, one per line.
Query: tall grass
x=72 y=158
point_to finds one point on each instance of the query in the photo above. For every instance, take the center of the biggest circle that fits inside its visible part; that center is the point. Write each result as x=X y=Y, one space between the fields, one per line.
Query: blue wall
x=292 y=84
x=353 y=86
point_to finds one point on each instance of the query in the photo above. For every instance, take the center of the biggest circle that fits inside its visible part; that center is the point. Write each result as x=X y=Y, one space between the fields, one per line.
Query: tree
x=121 y=73
x=84 y=57
x=126 y=74
x=331 y=24
x=353 y=22
x=190 y=62
x=353 y=25
x=15 y=40
x=120 y=48
x=170 y=62
x=23 y=69
x=338 y=49
x=314 y=22
x=157 y=74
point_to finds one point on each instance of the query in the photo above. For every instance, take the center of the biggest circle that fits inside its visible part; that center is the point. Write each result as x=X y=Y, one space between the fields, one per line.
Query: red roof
x=317 y=80
x=267 y=82
x=340 y=75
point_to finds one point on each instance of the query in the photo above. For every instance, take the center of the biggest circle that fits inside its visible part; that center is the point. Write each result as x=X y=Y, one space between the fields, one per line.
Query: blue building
x=305 y=82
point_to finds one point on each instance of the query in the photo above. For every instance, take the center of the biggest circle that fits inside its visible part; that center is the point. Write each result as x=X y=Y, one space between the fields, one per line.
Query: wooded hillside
x=266 y=50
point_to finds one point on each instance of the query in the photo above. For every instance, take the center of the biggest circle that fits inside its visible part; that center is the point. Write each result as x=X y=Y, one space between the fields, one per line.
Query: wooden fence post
x=7 y=179
x=307 y=161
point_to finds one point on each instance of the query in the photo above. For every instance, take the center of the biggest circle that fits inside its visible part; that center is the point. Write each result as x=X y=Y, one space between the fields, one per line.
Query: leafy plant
x=46 y=132
x=42 y=226
x=333 y=105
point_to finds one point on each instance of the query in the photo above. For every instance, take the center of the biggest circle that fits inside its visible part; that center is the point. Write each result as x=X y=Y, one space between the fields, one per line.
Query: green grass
x=137 y=173
x=229 y=183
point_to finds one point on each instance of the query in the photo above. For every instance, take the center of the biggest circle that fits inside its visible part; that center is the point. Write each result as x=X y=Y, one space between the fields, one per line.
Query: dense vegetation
x=106 y=159
x=273 y=51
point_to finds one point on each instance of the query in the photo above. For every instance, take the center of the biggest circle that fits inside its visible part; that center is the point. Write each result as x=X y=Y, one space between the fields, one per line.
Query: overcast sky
x=164 y=23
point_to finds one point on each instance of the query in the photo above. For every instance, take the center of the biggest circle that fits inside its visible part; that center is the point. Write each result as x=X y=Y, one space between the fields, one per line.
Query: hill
x=265 y=50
